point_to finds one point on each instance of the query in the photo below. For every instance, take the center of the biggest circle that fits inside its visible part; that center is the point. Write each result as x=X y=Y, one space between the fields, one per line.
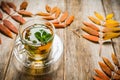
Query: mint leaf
x=43 y=36
x=38 y=35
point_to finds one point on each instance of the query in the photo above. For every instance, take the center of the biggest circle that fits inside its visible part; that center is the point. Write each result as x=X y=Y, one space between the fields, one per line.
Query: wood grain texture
x=5 y=50
x=80 y=56
x=112 y=6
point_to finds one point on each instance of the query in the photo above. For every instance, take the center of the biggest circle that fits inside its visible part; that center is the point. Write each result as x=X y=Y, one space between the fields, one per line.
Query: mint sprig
x=43 y=36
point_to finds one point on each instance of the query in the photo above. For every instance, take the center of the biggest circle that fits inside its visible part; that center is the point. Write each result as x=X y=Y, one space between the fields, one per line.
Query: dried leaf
x=116 y=77
x=90 y=31
x=54 y=10
x=64 y=16
x=48 y=17
x=25 y=13
x=5 y=7
x=11 y=5
x=1 y=15
x=48 y=8
x=112 y=71
x=118 y=71
x=53 y=22
x=109 y=16
x=94 y=20
x=102 y=75
x=105 y=68
x=18 y=19
x=97 y=78
x=111 y=23
x=5 y=31
x=62 y=25
x=115 y=60
x=91 y=26
x=91 y=38
x=43 y=14
x=23 y=5
x=108 y=63
x=110 y=35
x=57 y=13
x=114 y=29
x=99 y=16
x=69 y=20
x=10 y=26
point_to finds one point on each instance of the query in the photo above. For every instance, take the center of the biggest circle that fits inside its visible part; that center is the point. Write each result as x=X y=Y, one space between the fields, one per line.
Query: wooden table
x=80 y=56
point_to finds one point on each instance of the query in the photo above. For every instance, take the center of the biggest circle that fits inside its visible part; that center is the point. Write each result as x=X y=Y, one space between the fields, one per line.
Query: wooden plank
x=6 y=48
x=81 y=55
x=113 y=6
x=34 y=7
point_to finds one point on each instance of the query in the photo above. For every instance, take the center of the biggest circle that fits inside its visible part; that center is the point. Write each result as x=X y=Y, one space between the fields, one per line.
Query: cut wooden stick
x=5 y=31
x=18 y=19
x=91 y=38
x=90 y=31
x=25 y=13
x=10 y=26
x=64 y=16
x=91 y=26
x=69 y=20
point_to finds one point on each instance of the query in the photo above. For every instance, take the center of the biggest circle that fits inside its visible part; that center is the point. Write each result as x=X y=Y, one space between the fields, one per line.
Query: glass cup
x=37 y=38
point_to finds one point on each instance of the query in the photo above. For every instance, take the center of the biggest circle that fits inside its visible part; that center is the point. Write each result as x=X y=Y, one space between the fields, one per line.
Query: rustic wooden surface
x=80 y=56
